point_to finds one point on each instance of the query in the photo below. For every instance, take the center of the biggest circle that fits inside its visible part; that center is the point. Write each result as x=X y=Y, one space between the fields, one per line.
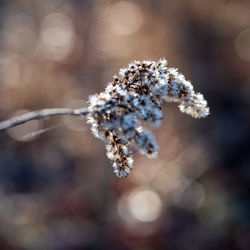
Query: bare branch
x=39 y=114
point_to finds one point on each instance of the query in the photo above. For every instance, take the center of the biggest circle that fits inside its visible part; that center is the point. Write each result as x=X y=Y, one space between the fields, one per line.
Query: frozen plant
x=135 y=95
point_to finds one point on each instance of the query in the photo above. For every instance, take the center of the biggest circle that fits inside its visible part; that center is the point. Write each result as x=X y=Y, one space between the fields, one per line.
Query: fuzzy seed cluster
x=135 y=95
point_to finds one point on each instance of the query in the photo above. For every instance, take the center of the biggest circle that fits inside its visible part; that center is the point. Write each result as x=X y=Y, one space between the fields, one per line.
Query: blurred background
x=58 y=190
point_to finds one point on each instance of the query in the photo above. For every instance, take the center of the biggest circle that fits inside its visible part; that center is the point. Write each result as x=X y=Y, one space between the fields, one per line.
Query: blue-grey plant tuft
x=135 y=95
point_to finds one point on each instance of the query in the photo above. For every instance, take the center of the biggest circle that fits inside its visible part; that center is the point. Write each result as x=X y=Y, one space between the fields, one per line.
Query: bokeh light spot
x=125 y=17
x=57 y=36
x=19 y=31
x=9 y=72
x=144 y=205
x=192 y=197
x=242 y=45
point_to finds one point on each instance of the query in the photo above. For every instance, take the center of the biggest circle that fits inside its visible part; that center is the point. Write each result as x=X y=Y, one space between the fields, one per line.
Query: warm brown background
x=57 y=191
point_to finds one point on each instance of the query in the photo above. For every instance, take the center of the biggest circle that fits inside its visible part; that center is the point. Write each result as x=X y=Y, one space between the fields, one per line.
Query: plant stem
x=39 y=114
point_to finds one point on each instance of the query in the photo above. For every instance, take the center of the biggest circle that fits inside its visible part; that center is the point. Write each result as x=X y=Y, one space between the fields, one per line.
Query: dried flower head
x=135 y=95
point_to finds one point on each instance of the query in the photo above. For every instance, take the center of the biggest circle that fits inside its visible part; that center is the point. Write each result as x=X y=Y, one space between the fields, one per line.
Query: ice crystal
x=135 y=95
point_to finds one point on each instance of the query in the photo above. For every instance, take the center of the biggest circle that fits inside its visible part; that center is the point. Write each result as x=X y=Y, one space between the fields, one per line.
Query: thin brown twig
x=39 y=114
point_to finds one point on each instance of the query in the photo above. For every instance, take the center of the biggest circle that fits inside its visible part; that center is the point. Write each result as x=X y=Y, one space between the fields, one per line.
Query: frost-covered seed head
x=135 y=95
